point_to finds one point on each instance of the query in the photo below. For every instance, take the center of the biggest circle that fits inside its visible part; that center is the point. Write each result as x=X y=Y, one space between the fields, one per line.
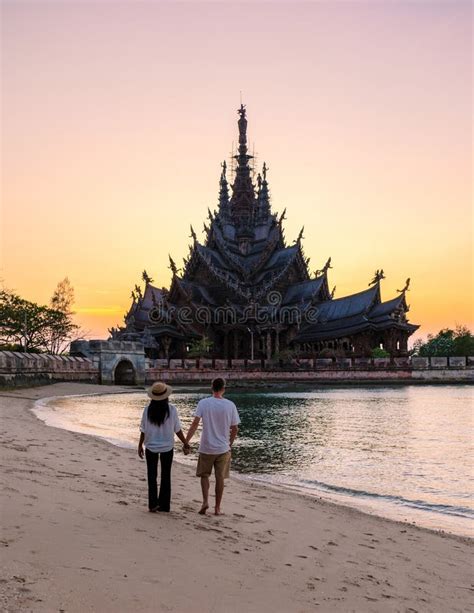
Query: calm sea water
x=400 y=452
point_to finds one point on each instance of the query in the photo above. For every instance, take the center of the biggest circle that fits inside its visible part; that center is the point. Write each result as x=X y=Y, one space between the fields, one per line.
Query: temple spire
x=223 y=192
x=263 y=195
x=243 y=195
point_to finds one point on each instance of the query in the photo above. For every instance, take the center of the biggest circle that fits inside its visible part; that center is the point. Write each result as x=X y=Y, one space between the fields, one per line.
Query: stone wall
x=334 y=376
x=29 y=368
x=106 y=358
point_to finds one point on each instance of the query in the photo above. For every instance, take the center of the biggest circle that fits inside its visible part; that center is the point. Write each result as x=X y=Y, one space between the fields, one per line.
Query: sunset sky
x=117 y=115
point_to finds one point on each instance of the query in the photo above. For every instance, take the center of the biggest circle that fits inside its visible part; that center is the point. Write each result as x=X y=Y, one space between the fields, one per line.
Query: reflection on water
x=405 y=446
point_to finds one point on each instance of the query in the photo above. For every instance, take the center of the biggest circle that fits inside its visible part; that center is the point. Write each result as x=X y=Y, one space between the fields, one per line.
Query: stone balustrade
x=16 y=367
x=23 y=367
x=315 y=364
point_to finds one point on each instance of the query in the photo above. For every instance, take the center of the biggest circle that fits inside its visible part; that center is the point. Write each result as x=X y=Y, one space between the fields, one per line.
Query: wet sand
x=77 y=536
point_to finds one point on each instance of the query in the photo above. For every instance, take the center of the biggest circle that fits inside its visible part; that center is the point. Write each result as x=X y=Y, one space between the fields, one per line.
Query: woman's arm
x=180 y=435
x=140 y=444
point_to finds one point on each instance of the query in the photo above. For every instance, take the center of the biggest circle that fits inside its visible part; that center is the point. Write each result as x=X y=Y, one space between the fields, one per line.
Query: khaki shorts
x=221 y=463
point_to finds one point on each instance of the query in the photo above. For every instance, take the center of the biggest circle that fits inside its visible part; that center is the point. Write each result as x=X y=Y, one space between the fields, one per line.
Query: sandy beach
x=77 y=536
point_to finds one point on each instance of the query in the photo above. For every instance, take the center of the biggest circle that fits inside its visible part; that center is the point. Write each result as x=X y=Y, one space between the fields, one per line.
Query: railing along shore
x=18 y=368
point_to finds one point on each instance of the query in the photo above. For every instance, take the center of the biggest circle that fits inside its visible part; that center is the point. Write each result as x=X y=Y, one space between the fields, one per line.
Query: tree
x=34 y=327
x=24 y=323
x=463 y=341
x=448 y=342
x=63 y=297
x=64 y=330
x=200 y=348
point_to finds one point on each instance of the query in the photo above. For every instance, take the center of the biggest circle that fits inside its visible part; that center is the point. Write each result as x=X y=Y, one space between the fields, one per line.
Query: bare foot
x=217 y=511
x=203 y=509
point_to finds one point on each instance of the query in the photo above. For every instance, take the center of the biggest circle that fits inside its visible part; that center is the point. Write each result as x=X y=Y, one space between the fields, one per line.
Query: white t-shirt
x=218 y=415
x=159 y=439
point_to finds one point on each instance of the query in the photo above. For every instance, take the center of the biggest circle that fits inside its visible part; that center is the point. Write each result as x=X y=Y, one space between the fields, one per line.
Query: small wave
x=421 y=505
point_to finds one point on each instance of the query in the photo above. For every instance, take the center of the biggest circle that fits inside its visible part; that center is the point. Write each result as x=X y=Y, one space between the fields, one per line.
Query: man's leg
x=152 y=469
x=219 y=493
x=221 y=471
x=205 y=495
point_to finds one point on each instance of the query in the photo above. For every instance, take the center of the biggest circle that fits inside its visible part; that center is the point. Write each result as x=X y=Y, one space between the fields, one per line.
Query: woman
x=159 y=424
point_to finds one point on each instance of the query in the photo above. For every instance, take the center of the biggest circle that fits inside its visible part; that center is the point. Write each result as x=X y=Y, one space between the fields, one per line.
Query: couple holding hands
x=160 y=422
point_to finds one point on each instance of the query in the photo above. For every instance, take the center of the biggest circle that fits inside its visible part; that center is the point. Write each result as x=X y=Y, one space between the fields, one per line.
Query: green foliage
x=458 y=342
x=34 y=327
x=378 y=352
x=285 y=356
x=200 y=348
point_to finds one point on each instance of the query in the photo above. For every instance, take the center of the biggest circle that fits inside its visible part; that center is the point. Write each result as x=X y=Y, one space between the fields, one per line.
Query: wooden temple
x=250 y=294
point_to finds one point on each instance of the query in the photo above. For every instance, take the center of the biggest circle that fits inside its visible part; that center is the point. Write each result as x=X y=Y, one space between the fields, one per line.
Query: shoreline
x=352 y=503
x=68 y=495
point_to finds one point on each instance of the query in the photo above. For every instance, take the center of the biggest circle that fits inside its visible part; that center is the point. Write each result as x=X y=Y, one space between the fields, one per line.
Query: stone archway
x=124 y=373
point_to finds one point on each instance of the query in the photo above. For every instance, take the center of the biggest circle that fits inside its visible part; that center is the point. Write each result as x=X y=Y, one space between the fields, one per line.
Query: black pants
x=163 y=499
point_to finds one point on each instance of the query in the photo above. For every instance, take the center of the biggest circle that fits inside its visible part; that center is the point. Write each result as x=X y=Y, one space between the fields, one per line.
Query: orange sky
x=116 y=116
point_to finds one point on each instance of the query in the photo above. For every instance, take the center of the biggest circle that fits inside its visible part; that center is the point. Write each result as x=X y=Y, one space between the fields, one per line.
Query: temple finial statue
x=406 y=288
x=242 y=123
x=333 y=291
x=138 y=291
x=259 y=181
x=300 y=235
x=378 y=276
x=172 y=266
x=209 y=214
x=324 y=269
x=146 y=278
x=193 y=234
x=133 y=297
x=206 y=229
x=265 y=169
x=282 y=217
x=224 y=169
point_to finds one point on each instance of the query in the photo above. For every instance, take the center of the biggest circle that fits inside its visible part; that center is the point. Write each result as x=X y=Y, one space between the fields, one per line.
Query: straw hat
x=159 y=391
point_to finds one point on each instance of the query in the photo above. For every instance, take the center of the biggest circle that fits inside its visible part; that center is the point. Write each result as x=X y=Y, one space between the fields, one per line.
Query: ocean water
x=400 y=452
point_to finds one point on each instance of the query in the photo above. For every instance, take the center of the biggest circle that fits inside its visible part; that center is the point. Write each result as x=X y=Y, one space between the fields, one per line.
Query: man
x=220 y=424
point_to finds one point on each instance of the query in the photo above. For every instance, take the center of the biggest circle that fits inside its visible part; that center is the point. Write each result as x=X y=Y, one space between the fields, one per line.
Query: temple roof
x=348 y=306
x=388 y=307
x=357 y=313
x=303 y=291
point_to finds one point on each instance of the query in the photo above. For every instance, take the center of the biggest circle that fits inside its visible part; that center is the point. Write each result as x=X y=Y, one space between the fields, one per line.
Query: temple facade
x=246 y=293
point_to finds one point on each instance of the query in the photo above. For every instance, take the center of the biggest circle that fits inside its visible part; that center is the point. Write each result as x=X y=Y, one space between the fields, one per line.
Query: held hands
x=186 y=448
